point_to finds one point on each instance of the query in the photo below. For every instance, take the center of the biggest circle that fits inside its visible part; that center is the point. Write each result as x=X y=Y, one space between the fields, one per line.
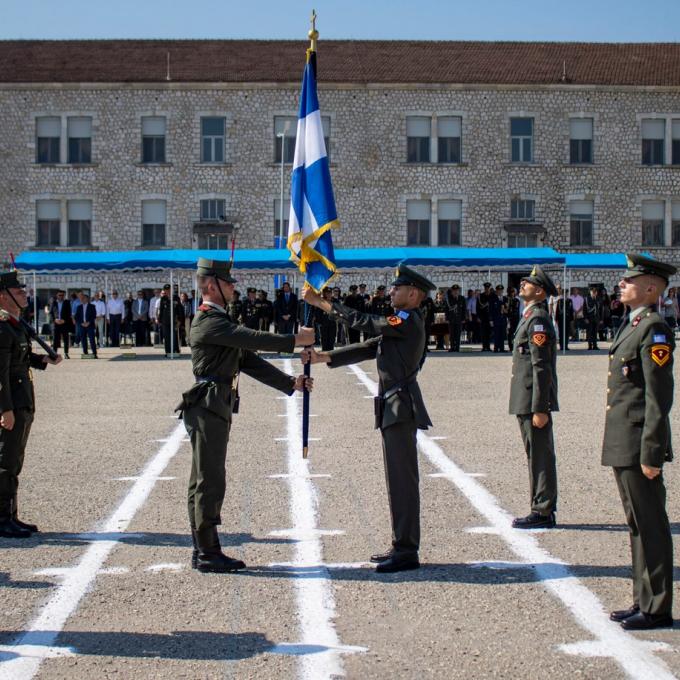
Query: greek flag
x=312 y=205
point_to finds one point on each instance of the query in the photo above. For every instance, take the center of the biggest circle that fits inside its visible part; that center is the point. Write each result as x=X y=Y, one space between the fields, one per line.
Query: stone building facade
x=584 y=162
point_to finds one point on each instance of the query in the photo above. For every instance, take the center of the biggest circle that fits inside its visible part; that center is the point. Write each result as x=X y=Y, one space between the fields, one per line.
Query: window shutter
x=418 y=210
x=448 y=126
x=581 y=128
x=653 y=210
x=153 y=126
x=449 y=210
x=80 y=127
x=418 y=126
x=80 y=210
x=48 y=210
x=153 y=212
x=581 y=207
x=280 y=123
x=49 y=127
x=653 y=129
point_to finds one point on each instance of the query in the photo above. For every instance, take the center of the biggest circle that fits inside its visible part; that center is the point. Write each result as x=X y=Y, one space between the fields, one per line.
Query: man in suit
x=533 y=397
x=86 y=315
x=140 y=319
x=456 y=311
x=592 y=309
x=484 y=316
x=398 y=344
x=63 y=322
x=286 y=310
x=17 y=401
x=637 y=438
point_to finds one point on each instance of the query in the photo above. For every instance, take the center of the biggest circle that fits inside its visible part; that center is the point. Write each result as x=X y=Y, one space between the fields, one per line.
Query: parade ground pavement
x=106 y=590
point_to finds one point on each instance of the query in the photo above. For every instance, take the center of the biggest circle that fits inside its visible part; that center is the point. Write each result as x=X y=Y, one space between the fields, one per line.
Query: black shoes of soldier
x=642 y=621
x=619 y=615
x=381 y=557
x=210 y=558
x=535 y=521
x=10 y=529
x=396 y=563
x=33 y=528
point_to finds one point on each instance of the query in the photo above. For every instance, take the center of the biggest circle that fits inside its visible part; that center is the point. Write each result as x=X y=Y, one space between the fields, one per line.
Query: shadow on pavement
x=675 y=527
x=187 y=645
x=7 y=582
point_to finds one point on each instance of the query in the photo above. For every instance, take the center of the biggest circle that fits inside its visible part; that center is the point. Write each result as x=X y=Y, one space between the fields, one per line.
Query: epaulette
x=204 y=308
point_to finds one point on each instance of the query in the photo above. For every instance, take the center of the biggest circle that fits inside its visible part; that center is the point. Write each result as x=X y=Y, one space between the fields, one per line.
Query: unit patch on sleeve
x=394 y=320
x=539 y=339
x=404 y=315
x=538 y=327
x=660 y=354
x=660 y=338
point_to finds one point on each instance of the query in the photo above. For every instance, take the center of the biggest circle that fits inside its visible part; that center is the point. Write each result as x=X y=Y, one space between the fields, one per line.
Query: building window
x=281 y=226
x=581 y=140
x=581 y=223
x=212 y=140
x=48 y=227
x=448 y=139
x=675 y=231
x=153 y=223
x=418 y=130
x=418 y=216
x=675 y=142
x=79 y=223
x=213 y=210
x=48 y=140
x=653 y=223
x=79 y=140
x=653 y=136
x=153 y=139
x=522 y=209
x=522 y=240
x=521 y=140
x=448 y=223
x=285 y=133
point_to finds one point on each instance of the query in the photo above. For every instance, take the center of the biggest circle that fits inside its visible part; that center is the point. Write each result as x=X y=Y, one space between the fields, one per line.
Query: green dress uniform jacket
x=16 y=394
x=533 y=389
x=637 y=432
x=398 y=346
x=220 y=350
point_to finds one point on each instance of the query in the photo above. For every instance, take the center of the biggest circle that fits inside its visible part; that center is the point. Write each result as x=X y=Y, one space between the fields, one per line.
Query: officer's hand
x=539 y=420
x=650 y=472
x=305 y=336
x=7 y=420
x=303 y=383
x=54 y=362
x=311 y=356
x=310 y=296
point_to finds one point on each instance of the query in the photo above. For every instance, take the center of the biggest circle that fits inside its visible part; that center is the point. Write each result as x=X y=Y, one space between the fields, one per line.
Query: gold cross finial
x=313 y=33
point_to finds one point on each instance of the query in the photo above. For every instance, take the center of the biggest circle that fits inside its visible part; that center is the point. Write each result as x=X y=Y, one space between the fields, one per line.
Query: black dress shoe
x=535 y=521
x=621 y=614
x=642 y=621
x=218 y=563
x=381 y=557
x=395 y=563
x=33 y=528
x=10 y=529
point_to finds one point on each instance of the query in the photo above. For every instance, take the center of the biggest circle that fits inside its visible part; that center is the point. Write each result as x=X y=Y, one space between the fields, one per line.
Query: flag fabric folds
x=312 y=205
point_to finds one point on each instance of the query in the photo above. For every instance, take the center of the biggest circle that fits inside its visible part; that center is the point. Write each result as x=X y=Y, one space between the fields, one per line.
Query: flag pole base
x=305 y=451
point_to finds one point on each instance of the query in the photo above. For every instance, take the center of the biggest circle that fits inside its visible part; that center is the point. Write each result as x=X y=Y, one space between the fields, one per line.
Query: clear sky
x=563 y=20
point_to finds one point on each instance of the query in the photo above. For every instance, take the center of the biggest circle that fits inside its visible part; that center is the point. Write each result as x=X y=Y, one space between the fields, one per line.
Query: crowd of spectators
x=487 y=317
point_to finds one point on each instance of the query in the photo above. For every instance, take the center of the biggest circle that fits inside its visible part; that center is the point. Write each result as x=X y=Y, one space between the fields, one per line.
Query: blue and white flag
x=312 y=205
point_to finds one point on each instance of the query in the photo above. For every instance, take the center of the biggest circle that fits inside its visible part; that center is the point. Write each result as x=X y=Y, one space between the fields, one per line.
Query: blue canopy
x=596 y=261
x=277 y=260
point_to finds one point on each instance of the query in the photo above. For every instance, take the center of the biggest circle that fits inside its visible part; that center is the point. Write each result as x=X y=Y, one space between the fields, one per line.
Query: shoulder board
x=204 y=308
x=402 y=314
x=394 y=320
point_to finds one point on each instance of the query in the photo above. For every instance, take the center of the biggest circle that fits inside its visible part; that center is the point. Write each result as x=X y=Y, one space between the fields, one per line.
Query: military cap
x=638 y=265
x=10 y=280
x=362 y=285
x=405 y=276
x=252 y=290
x=166 y=286
x=219 y=268
x=500 y=287
x=381 y=287
x=539 y=278
x=455 y=286
x=487 y=285
x=353 y=286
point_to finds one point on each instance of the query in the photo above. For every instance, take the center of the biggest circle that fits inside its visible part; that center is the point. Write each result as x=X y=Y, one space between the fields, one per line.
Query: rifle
x=32 y=333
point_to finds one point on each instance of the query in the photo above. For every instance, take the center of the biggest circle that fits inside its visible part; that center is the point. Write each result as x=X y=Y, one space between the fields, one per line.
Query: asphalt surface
x=476 y=609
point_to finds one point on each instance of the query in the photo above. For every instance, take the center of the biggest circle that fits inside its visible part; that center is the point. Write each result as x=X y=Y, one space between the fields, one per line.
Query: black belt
x=398 y=387
x=214 y=379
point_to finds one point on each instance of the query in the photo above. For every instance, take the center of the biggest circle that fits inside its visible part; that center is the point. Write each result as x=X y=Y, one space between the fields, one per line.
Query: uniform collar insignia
x=636 y=320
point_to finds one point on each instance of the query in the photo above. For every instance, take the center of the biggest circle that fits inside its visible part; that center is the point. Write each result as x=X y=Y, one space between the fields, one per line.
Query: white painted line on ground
x=319 y=646
x=113 y=571
x=134 y=479
x=304 y=533
x=314 y=568
x=167 y=566
x=438 y=438
x=443 y=475
x=635 y=658
x=481 y=530
x=41 y=634
x=285 y=439
x=288 y=476
x=500 y=565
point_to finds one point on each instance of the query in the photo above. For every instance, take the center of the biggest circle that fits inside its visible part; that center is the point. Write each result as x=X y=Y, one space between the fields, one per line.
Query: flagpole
x=313 y=37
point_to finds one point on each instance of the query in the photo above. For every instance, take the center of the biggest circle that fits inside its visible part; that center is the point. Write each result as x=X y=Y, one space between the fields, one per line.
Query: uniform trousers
x=12 y=448
x=168 y=337
x=400 y=455
x=540 y=448
x=499 y=329
x=485 y=328
x=209 y=435
x=591 y=333
x=455 y=328
x=651 y=544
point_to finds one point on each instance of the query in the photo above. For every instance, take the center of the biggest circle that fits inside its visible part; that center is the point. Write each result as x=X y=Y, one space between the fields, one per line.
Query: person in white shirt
x=154 y=326
x=100 y=321
x=114 y=315
x=577 y=302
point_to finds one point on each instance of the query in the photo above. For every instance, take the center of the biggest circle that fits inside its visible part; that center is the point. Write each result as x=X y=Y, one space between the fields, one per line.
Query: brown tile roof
x=350 y=61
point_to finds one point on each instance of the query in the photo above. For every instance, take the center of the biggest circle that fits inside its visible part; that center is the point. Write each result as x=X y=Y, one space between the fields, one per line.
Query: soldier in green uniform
x=220 y=350
x=399 y=347
x=17 y=401
x=637 y=438
x=533 y=397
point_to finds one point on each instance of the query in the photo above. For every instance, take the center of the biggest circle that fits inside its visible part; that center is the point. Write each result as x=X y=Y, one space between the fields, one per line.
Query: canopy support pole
x=564 y=309
x=103 y=341
x=35 y=303
x=172 y=318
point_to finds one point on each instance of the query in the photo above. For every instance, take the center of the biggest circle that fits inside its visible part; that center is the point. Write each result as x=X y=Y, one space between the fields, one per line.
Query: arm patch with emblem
x=539 y=339
x=394 y=320
x=660 y=354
